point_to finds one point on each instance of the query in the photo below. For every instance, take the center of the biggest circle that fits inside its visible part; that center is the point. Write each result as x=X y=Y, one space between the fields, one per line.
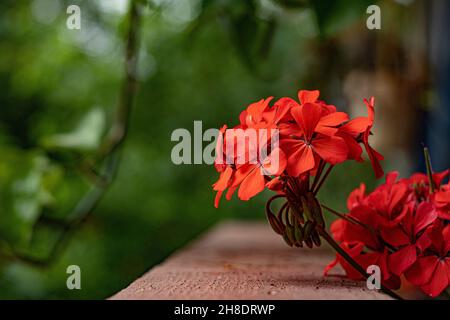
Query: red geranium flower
x=431 y=271
x=311 y=135
x=399 y=227
x=315 y=139
x=410 y=237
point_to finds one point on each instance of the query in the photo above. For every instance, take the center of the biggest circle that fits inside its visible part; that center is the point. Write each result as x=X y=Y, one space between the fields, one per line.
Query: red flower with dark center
x=316 y=139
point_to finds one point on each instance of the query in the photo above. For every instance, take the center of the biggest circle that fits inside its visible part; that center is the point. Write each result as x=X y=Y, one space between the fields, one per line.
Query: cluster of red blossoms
x=402 y=226
x=311 y=134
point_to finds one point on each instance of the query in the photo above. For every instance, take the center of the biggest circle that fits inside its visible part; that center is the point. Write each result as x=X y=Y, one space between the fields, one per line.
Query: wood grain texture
x=245 y=260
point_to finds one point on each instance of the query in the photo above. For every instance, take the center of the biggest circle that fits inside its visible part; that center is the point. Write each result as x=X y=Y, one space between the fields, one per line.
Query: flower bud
x=276 y=225
x=316 y=238
x=290 y=233
x=287 y=240
x=298 y=232
x=309 y=227
x=315 y=209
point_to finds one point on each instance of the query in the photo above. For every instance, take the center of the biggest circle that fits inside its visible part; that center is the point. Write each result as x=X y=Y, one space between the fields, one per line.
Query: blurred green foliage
x=199 y=60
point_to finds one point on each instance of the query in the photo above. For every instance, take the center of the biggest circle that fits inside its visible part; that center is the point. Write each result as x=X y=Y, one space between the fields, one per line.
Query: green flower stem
x=323 y=179
x=345 y=217
x=318 y=174
x=429 y=168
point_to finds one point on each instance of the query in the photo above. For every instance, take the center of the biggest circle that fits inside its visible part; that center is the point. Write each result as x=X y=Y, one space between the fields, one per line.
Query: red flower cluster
x=311 y=134
x=402 y=226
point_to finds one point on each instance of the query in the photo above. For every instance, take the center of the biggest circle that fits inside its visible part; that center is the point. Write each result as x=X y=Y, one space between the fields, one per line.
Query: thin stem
x=280 y=212
x=119 y=128
x=345 y=217
x=323 y=179
x=352 y=262
x=307 y=180
x=356 y=221
x=269 y=202
x=291 y=187
x=273 y=198
x=318 y=174
x=429 y=168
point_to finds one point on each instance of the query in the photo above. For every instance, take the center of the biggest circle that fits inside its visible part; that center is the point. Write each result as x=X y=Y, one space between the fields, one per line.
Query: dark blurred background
x=61 y=89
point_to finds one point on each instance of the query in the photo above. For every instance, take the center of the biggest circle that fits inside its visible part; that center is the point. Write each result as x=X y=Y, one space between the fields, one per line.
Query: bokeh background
x=198 y=60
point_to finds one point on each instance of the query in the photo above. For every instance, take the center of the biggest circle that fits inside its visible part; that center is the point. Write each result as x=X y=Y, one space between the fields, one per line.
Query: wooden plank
x=245 y=260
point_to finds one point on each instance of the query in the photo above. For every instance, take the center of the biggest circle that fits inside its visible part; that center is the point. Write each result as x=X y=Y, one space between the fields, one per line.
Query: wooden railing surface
x=245 y=260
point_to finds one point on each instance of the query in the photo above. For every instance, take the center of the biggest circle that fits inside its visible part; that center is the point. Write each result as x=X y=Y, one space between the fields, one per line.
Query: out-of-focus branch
x=108 y=154
x=119 y=127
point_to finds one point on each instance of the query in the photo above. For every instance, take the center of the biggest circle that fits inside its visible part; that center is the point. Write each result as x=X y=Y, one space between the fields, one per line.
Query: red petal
x=439 y=281
x=391 y=177
x=296 y=113
x=425 y=215
x=447 y=262
x=224 y=179
x=356 y=196
x=354 y=252
x=307 y=116
x=421 y=271
x=337 y=229
x=356 y=126
x=230 y=192
x=398 y=192
x=395 y=236
x=330 y=266
x=357 y=233
x=332 y=120
x=402 y=259
x=439 y=176
x=300 y=157
x=354 y=149
x=349 y=270
x=331 y=149
x=305 y=96
x=275 y=184
x=217 y=198
x=283 y=106
x=275 y=163
x=241 y=173
x=446 y=237
x=375 y=157
x=252 y=185
x=255 y=110
x=442 y=196
x=370 y=109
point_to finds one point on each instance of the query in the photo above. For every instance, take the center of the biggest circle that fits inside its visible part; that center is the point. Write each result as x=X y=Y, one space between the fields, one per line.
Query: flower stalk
x=429 y=168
